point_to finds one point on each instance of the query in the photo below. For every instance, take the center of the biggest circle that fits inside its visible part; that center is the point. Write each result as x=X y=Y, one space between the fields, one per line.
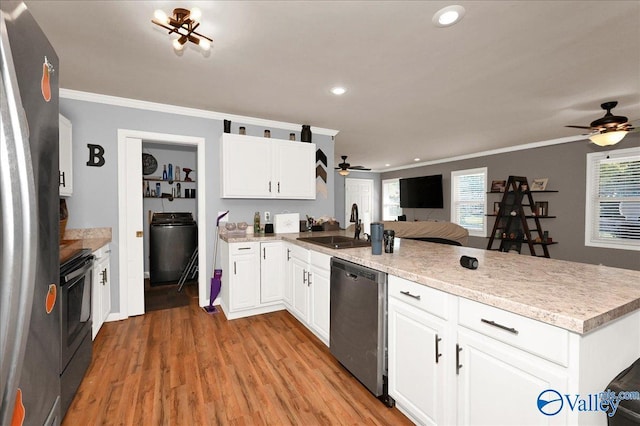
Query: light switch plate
x=267 y=216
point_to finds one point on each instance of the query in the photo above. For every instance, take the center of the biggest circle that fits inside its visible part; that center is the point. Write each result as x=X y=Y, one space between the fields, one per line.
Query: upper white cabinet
x=254 y=167
x=66 y=155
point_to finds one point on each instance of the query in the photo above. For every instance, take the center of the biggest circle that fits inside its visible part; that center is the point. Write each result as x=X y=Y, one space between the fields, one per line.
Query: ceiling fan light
x=608 y=138
x=344 y=172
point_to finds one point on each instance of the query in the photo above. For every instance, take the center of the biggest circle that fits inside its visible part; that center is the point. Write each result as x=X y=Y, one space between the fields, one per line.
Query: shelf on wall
x=167 y=180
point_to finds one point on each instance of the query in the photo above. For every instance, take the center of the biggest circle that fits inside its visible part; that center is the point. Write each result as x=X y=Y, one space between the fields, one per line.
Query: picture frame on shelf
x=541 y=208
x=498 y=185
x=496 y=207
x=539 y=184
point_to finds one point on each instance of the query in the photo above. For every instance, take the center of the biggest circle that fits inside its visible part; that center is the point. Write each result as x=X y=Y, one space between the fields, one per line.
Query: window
x=469 y=200
x=391 y=199
x=612 y=217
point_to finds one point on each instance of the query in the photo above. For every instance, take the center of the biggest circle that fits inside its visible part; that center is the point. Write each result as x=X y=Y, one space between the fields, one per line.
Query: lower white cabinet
x=498 y=384
x=318 y=277
x=272 y=274
x=420 y=354
x=247 y=290
x=101 y=289
x=307 y=289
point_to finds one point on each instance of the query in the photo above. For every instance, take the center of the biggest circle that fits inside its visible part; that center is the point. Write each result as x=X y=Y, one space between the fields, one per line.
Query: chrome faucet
x=358 y=223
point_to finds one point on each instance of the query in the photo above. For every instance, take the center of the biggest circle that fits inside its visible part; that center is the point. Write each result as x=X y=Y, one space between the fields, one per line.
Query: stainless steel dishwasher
x=358 y=324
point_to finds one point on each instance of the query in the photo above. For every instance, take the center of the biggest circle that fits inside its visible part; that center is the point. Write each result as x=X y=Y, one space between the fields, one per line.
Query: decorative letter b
x=96 y=155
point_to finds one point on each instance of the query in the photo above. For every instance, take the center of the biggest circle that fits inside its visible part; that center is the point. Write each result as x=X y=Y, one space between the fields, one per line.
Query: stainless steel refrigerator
x=29 y=254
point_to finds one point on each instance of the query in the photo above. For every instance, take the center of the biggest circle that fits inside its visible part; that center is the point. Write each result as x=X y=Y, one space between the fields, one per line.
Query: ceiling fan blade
x=579 y=127
x=358 y=168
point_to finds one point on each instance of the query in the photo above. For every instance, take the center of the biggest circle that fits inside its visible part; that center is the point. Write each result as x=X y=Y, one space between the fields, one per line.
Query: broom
x=216 y=278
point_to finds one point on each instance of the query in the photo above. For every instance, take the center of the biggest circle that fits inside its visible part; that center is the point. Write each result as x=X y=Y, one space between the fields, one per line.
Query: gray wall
x=95 y=199
x=565 y=166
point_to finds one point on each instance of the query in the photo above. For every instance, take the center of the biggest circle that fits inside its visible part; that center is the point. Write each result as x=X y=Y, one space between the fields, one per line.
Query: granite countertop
x=87 y=238
x=575 y=296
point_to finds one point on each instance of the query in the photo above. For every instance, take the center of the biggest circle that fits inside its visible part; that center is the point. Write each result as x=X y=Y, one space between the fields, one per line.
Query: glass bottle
x=164 y=172
x=256 y=223
x=170 y=175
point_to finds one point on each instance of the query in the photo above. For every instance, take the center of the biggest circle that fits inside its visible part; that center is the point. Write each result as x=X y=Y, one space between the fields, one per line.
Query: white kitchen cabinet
x=298 y=277
x=66 y=157
x=242 y=293
x=308 y=275
x=318 y=279
x=272 y=273
x=420 y=351
x=498 y=384
x=254 y=167
x=101 y=289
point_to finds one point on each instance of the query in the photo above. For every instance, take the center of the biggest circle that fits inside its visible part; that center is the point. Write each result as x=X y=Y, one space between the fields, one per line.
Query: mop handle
x=215 y=249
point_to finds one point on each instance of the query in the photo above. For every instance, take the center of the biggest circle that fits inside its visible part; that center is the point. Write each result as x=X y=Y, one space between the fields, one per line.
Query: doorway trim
x=125 y=181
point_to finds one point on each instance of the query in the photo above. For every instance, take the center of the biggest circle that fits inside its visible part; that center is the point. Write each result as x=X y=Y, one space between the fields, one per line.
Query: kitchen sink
x=336 y=241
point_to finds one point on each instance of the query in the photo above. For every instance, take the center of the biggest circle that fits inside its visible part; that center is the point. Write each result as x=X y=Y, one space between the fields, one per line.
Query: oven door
x=75 y=307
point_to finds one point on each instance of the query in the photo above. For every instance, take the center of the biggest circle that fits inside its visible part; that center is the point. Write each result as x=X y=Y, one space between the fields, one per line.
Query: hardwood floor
x=182 y=366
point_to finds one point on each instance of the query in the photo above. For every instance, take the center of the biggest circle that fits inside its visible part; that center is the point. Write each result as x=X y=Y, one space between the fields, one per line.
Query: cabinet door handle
x=309 y=278
x=288 y=254
x=503 y=327
x=304 y=276
x=438 y=354
x=278 y=187
x=458 y=365
x=63 y=181
x=235 y=272
x=269 y=186
x=415 y=296
x=264 y=252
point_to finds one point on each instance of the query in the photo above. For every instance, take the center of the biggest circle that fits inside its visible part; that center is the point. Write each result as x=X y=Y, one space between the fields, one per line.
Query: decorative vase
x=305 y=135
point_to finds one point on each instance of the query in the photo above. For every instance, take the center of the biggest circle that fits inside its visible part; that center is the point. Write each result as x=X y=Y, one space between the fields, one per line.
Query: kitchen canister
x=377 y=230
x=305 y=135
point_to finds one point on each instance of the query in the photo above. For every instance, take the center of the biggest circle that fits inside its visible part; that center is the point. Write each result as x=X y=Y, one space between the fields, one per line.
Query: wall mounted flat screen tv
x=423 y=192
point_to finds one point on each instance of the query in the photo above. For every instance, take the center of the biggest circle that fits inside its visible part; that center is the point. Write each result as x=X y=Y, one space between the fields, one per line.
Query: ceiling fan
x=344 y=167
x=610 y=129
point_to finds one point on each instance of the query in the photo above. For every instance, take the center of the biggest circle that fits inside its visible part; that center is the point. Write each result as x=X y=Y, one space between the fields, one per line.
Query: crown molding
x=514 y=148
x=191 y=112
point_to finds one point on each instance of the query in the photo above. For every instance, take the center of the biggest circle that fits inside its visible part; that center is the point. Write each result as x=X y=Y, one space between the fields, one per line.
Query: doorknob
x=138 y=234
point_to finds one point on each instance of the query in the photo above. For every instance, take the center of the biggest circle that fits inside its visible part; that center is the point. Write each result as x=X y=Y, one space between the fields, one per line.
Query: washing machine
x=173 y=237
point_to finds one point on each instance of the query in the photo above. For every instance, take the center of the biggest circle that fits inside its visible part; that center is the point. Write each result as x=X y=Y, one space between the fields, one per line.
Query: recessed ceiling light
x=448 y=16
x=338 y=90
x=387 y=165
x=416 y=159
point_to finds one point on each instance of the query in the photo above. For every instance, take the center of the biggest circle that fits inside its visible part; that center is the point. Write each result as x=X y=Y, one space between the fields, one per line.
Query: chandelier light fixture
x=183 y=23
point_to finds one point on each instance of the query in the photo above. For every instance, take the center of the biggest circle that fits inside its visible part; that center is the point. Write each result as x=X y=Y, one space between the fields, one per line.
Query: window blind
x=468 y=200
x=614 y=199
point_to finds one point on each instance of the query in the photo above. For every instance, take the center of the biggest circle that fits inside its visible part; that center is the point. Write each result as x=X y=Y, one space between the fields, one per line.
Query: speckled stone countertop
x=91 y=238
x=575 y=296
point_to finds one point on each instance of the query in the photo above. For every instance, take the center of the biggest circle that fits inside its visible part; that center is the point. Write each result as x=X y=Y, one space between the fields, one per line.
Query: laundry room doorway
x=131 y=190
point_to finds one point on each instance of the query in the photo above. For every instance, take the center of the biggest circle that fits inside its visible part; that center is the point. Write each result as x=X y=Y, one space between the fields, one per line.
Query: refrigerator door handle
x=19 y=230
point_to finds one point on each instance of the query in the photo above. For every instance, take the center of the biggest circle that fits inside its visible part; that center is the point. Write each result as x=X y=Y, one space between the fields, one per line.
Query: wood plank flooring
x=182 y=366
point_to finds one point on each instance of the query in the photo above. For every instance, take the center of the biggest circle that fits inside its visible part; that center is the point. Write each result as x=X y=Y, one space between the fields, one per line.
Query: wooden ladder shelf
x=511 y=228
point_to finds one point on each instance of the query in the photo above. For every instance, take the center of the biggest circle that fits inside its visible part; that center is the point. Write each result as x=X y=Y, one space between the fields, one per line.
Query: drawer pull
x=458 y=365
x=415 y=296
x=438 y=354
x=244 y=248
x=503 y=327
